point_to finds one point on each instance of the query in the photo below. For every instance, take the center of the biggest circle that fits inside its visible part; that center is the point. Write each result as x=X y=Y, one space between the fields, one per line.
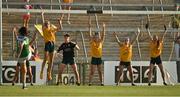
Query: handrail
x=1 y=50
x=93 y=4
x=86 y=58
x=12 y=10
x=84 y=48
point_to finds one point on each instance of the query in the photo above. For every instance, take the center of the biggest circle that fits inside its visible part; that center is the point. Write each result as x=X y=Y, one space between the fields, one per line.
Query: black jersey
x=68 y=50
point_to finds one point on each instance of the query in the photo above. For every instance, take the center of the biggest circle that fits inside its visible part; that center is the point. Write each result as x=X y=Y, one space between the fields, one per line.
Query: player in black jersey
x=68 y=58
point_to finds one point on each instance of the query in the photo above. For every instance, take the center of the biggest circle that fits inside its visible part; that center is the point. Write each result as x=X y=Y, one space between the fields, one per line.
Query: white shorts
x=23 y=60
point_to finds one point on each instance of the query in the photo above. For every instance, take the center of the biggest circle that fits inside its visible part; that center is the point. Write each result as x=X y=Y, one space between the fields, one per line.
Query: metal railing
x=92 y=4
x=85 y=58
x=1 y=43
x=126 y=12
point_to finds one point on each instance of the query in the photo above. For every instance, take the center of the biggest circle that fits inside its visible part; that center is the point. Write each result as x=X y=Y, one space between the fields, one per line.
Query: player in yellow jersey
x=49 y=39
x=126 y=56
x=96 y=42
x=156 y=46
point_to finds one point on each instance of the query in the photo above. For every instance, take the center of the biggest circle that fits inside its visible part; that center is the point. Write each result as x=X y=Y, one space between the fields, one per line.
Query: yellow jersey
x=96 y=49
x=49 y=34
x=126 y=53
x=155 y=51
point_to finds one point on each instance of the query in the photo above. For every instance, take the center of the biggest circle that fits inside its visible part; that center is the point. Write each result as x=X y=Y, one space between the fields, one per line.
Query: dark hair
x=23 y=31
x=66 y=35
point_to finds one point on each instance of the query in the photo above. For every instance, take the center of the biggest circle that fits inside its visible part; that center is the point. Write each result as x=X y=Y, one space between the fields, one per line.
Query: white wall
x=10 y=72
x=109 y=71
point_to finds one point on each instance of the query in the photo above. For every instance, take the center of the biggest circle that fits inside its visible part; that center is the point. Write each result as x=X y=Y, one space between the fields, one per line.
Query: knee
x=23 y=70
x=30 y=73
x=44 y=61
x=130 y=72
x=60 y=71
x=120 y=72
x=17 y=70
x=46 y=58
x=99 y=70
x=151 y=68
x=162 y=71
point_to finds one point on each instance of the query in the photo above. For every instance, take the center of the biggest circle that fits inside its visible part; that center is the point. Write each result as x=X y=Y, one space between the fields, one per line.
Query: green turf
x=91 y=91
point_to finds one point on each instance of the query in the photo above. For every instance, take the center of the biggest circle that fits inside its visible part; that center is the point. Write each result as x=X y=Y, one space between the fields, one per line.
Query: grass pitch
x=91 y=91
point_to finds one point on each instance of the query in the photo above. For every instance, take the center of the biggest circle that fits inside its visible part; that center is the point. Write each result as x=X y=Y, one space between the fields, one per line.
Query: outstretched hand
x=15 y=29
x=60 y=21
x=139 y=30
x=147 y=26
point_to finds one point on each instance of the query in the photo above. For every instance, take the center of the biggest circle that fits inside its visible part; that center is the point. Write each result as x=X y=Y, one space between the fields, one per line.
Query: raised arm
x=60 y=24
x=77 y=47
x=165 y=32
x=15 y=32
x=133 y=41
x=58 y=28
x=33 y=39
x=26 y=23
x=59 y=49
x=149 y=33
x=90 y=31
x=103 y=33
x=42 y=16
x=117 y=39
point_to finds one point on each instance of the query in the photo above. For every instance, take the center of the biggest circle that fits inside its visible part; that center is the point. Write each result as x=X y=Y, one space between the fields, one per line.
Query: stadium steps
x=111 y=49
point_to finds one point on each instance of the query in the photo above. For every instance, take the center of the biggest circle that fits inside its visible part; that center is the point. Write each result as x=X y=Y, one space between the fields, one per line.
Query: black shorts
x=156 y=60
x=27 y=63
x=70 y=61
x=49 y=47
x=96 y=61
x=125 y=64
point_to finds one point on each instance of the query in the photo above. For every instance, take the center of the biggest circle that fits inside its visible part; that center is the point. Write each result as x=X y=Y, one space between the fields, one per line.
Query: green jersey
x=25 y=42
